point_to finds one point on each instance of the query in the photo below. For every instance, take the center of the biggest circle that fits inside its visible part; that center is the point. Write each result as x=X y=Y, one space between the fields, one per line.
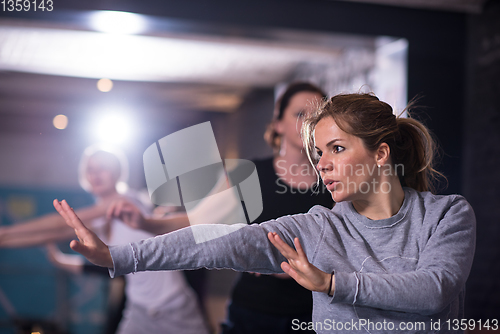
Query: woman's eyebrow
x=333 y=141
x=329 y=144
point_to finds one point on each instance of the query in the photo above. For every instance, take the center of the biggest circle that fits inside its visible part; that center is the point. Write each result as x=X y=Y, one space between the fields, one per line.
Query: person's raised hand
x=299 y=267
x=127 y=212
x=89 y=245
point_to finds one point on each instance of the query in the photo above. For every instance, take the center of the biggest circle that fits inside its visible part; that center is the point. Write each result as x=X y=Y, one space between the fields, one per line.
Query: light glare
x=60 y=122
x=104 y=85
x=113 y=128
x=118 y=22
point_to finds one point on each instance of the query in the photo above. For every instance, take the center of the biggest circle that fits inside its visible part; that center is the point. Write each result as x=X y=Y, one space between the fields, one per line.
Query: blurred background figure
x=158 y=302
x=103 y=172
x=269 y=303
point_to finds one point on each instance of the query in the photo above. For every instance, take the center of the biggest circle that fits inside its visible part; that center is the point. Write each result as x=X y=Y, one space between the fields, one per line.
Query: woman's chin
x=340 y=196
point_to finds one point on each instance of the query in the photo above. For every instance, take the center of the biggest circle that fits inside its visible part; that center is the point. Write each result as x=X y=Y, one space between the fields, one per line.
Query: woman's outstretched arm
x=240 y=247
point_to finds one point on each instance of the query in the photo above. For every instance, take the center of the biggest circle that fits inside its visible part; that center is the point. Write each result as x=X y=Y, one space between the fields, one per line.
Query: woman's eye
x=300 y=114
x=319 y=153
x=338 y=149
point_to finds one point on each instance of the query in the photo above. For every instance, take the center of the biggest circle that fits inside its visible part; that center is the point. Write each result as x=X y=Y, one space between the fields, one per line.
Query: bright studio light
x=118 y=22
x=113 y=128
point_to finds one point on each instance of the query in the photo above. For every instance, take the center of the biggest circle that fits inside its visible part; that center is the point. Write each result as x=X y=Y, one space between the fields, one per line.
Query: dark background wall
x=481 y=161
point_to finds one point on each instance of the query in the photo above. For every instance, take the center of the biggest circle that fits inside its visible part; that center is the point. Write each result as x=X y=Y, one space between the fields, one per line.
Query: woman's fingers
x=295 y=259
x=272 y=237
x=76 y=223
x=299 y=249
x=77 y=247
x=282 y=246
x=71 y=219
x=86 y=251
x=287 y=268
x=62 y=212
x=68 y=214
x=299 y=267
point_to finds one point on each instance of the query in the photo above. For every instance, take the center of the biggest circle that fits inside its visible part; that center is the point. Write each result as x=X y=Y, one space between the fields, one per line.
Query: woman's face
x=101 y=175
x=347 y=168
x=300 y=105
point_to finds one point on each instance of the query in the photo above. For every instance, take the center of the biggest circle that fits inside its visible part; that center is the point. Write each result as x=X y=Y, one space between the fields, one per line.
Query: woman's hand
x=89 y=245
x=299 y=268
x=127 y=212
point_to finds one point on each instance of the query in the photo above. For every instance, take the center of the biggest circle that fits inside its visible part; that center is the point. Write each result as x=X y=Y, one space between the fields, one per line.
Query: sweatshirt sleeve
x=441 y=273
x=242 y=248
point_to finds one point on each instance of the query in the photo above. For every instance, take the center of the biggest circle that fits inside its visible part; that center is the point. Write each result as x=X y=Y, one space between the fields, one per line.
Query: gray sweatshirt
x=403 y=274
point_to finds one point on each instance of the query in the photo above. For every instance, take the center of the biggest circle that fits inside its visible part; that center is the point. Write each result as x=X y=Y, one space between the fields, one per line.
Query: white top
x=153 y=289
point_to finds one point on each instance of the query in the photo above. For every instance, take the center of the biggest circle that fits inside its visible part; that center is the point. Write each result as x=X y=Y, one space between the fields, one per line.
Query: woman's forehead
x=304 y=100
x=327 y=131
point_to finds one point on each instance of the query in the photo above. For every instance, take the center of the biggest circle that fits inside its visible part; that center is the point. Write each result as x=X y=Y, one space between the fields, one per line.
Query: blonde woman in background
x=157 y=302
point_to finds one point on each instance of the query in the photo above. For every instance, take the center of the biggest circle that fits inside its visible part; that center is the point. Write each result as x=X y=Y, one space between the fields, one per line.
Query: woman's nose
x=324 y=165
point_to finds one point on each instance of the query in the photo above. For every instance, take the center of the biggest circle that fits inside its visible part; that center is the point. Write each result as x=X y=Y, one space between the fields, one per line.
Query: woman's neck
x=381 y=205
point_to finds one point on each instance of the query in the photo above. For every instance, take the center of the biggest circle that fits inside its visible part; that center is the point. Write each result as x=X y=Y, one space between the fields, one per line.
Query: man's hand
x=89 y=245
x=299 y=267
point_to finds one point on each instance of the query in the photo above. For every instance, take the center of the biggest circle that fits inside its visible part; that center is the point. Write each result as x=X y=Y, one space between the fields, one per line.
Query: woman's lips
x=330 y=184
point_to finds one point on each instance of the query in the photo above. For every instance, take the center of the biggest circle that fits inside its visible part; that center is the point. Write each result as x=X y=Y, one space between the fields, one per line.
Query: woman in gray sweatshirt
x=389 y=257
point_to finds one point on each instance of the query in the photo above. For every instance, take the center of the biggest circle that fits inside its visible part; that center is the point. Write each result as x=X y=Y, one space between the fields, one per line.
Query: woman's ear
x=383 y=154
x=278 y=126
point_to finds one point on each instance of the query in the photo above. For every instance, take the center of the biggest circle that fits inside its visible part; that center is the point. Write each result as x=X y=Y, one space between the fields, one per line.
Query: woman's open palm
x=89 y=245
x=299 y=267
